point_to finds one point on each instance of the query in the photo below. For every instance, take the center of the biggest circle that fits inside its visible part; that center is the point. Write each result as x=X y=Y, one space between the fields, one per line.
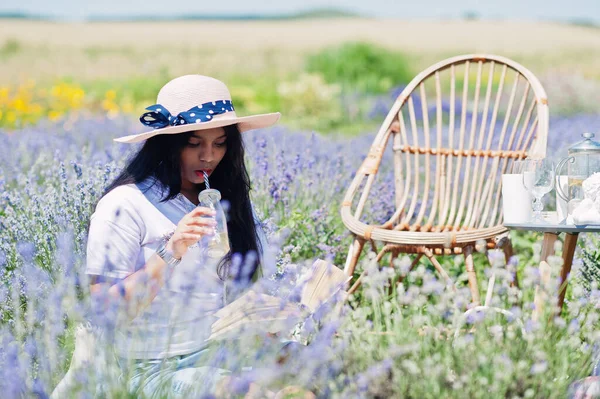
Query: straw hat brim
x=244 y=123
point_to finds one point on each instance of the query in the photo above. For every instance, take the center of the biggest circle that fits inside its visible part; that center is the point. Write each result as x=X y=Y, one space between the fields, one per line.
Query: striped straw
x=206 y=183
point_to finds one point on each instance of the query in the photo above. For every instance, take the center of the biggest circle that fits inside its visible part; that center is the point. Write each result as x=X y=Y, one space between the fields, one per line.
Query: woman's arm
x=140 y=288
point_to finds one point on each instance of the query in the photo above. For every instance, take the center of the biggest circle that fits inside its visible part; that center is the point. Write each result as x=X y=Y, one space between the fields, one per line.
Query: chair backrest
x=454 y=130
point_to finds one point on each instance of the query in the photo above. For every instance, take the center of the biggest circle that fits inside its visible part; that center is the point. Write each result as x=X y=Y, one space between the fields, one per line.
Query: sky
x=564 y=10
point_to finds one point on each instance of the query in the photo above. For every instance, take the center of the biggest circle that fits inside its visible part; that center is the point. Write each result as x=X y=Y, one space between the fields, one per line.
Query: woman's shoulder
x=124 y=192
x=124 y=197
x=122 y=206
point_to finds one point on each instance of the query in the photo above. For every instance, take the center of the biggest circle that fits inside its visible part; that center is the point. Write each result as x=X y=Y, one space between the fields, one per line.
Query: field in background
x=47 y=50
x=51 y=69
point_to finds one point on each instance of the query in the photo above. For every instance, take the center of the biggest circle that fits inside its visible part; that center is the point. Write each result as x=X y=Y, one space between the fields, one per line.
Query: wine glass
x=517 y=166
x=538 y=179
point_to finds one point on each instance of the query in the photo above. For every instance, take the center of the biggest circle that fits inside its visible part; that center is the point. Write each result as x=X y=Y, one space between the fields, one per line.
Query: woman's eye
x=193 y=145
x=221 y=144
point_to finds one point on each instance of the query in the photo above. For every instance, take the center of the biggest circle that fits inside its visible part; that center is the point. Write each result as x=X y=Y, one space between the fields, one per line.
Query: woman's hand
x=191 y=228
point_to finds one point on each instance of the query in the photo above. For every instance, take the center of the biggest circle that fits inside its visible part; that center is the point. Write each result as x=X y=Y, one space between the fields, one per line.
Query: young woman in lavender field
x=145 y=236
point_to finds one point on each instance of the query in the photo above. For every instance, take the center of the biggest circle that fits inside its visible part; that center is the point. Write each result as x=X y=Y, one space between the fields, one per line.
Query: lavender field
x=383 y=345
x=407 y=341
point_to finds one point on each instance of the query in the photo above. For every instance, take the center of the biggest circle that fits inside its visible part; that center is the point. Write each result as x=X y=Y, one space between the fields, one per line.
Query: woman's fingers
x=209 y=222
x=192 y=227
x=197 y=215
x=199 y=230
x=191 y=236
x=202 y=211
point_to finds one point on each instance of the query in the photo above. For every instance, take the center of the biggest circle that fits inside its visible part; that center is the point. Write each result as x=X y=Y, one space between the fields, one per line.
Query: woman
x=145 y=236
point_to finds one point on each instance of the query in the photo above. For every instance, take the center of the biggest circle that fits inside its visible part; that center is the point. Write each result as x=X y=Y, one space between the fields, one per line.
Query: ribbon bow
x=159 y=117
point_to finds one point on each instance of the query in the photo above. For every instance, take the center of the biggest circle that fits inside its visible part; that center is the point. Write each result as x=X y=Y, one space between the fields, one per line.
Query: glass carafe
x=218 y=244
x=582 y=162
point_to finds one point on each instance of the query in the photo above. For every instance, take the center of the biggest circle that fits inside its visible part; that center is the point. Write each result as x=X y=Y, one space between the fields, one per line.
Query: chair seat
x=426 y=238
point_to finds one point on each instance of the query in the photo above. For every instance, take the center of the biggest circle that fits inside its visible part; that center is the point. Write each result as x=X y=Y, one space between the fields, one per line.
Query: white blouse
x=126 y=228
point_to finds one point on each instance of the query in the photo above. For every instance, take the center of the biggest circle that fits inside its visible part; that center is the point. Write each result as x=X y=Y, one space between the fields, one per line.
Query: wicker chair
x=447 y=161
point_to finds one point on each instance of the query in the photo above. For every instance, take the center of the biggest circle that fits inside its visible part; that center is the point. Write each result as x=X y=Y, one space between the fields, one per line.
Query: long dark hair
x=160 y=158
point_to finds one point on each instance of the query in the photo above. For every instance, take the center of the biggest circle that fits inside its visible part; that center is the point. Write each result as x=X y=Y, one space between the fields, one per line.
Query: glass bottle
x=218 y=244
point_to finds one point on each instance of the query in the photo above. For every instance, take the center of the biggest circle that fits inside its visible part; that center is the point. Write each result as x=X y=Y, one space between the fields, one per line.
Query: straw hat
x=194 y=102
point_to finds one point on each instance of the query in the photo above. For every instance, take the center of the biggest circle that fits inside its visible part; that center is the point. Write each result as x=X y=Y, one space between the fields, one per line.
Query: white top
x=125 y=230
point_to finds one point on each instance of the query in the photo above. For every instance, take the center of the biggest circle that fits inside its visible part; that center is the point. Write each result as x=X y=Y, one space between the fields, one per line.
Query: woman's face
x=203 y=152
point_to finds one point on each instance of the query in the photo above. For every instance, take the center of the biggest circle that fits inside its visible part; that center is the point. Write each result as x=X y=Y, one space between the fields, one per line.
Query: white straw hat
x=195 y=102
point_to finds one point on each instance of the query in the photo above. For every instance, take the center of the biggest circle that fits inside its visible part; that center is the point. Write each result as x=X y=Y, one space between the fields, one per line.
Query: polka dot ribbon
x=159 y=117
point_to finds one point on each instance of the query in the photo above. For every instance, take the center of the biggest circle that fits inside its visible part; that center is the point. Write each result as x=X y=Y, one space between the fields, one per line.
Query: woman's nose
x=206 y=154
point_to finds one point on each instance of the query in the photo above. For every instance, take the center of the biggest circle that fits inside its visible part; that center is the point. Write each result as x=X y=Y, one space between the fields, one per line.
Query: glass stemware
x=538 y=179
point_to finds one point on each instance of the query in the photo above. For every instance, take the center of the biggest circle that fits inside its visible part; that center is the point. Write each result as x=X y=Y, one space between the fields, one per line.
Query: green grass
x=10 y=48
x=362 y=66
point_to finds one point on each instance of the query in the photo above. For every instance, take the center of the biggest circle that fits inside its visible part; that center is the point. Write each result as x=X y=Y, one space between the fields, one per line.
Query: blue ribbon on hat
x=159 y=117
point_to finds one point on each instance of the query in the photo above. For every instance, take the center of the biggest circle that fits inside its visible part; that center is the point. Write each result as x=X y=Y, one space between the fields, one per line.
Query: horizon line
x=314 y=13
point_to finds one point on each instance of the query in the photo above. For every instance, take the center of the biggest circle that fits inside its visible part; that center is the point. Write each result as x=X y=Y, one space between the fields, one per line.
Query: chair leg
x=490 y=291
x=507 y=248
x=470 y=266
x=353 y=255
x=401 y=277
x=395 y=254
x=439 y=268
x=356 y=284
x=414 y=263
x=358 y=281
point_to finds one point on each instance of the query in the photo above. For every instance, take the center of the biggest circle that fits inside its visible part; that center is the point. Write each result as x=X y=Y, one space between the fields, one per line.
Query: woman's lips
x=200 y=172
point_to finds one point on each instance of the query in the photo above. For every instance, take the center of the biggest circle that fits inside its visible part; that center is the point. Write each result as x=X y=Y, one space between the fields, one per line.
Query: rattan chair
x=447 y=159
